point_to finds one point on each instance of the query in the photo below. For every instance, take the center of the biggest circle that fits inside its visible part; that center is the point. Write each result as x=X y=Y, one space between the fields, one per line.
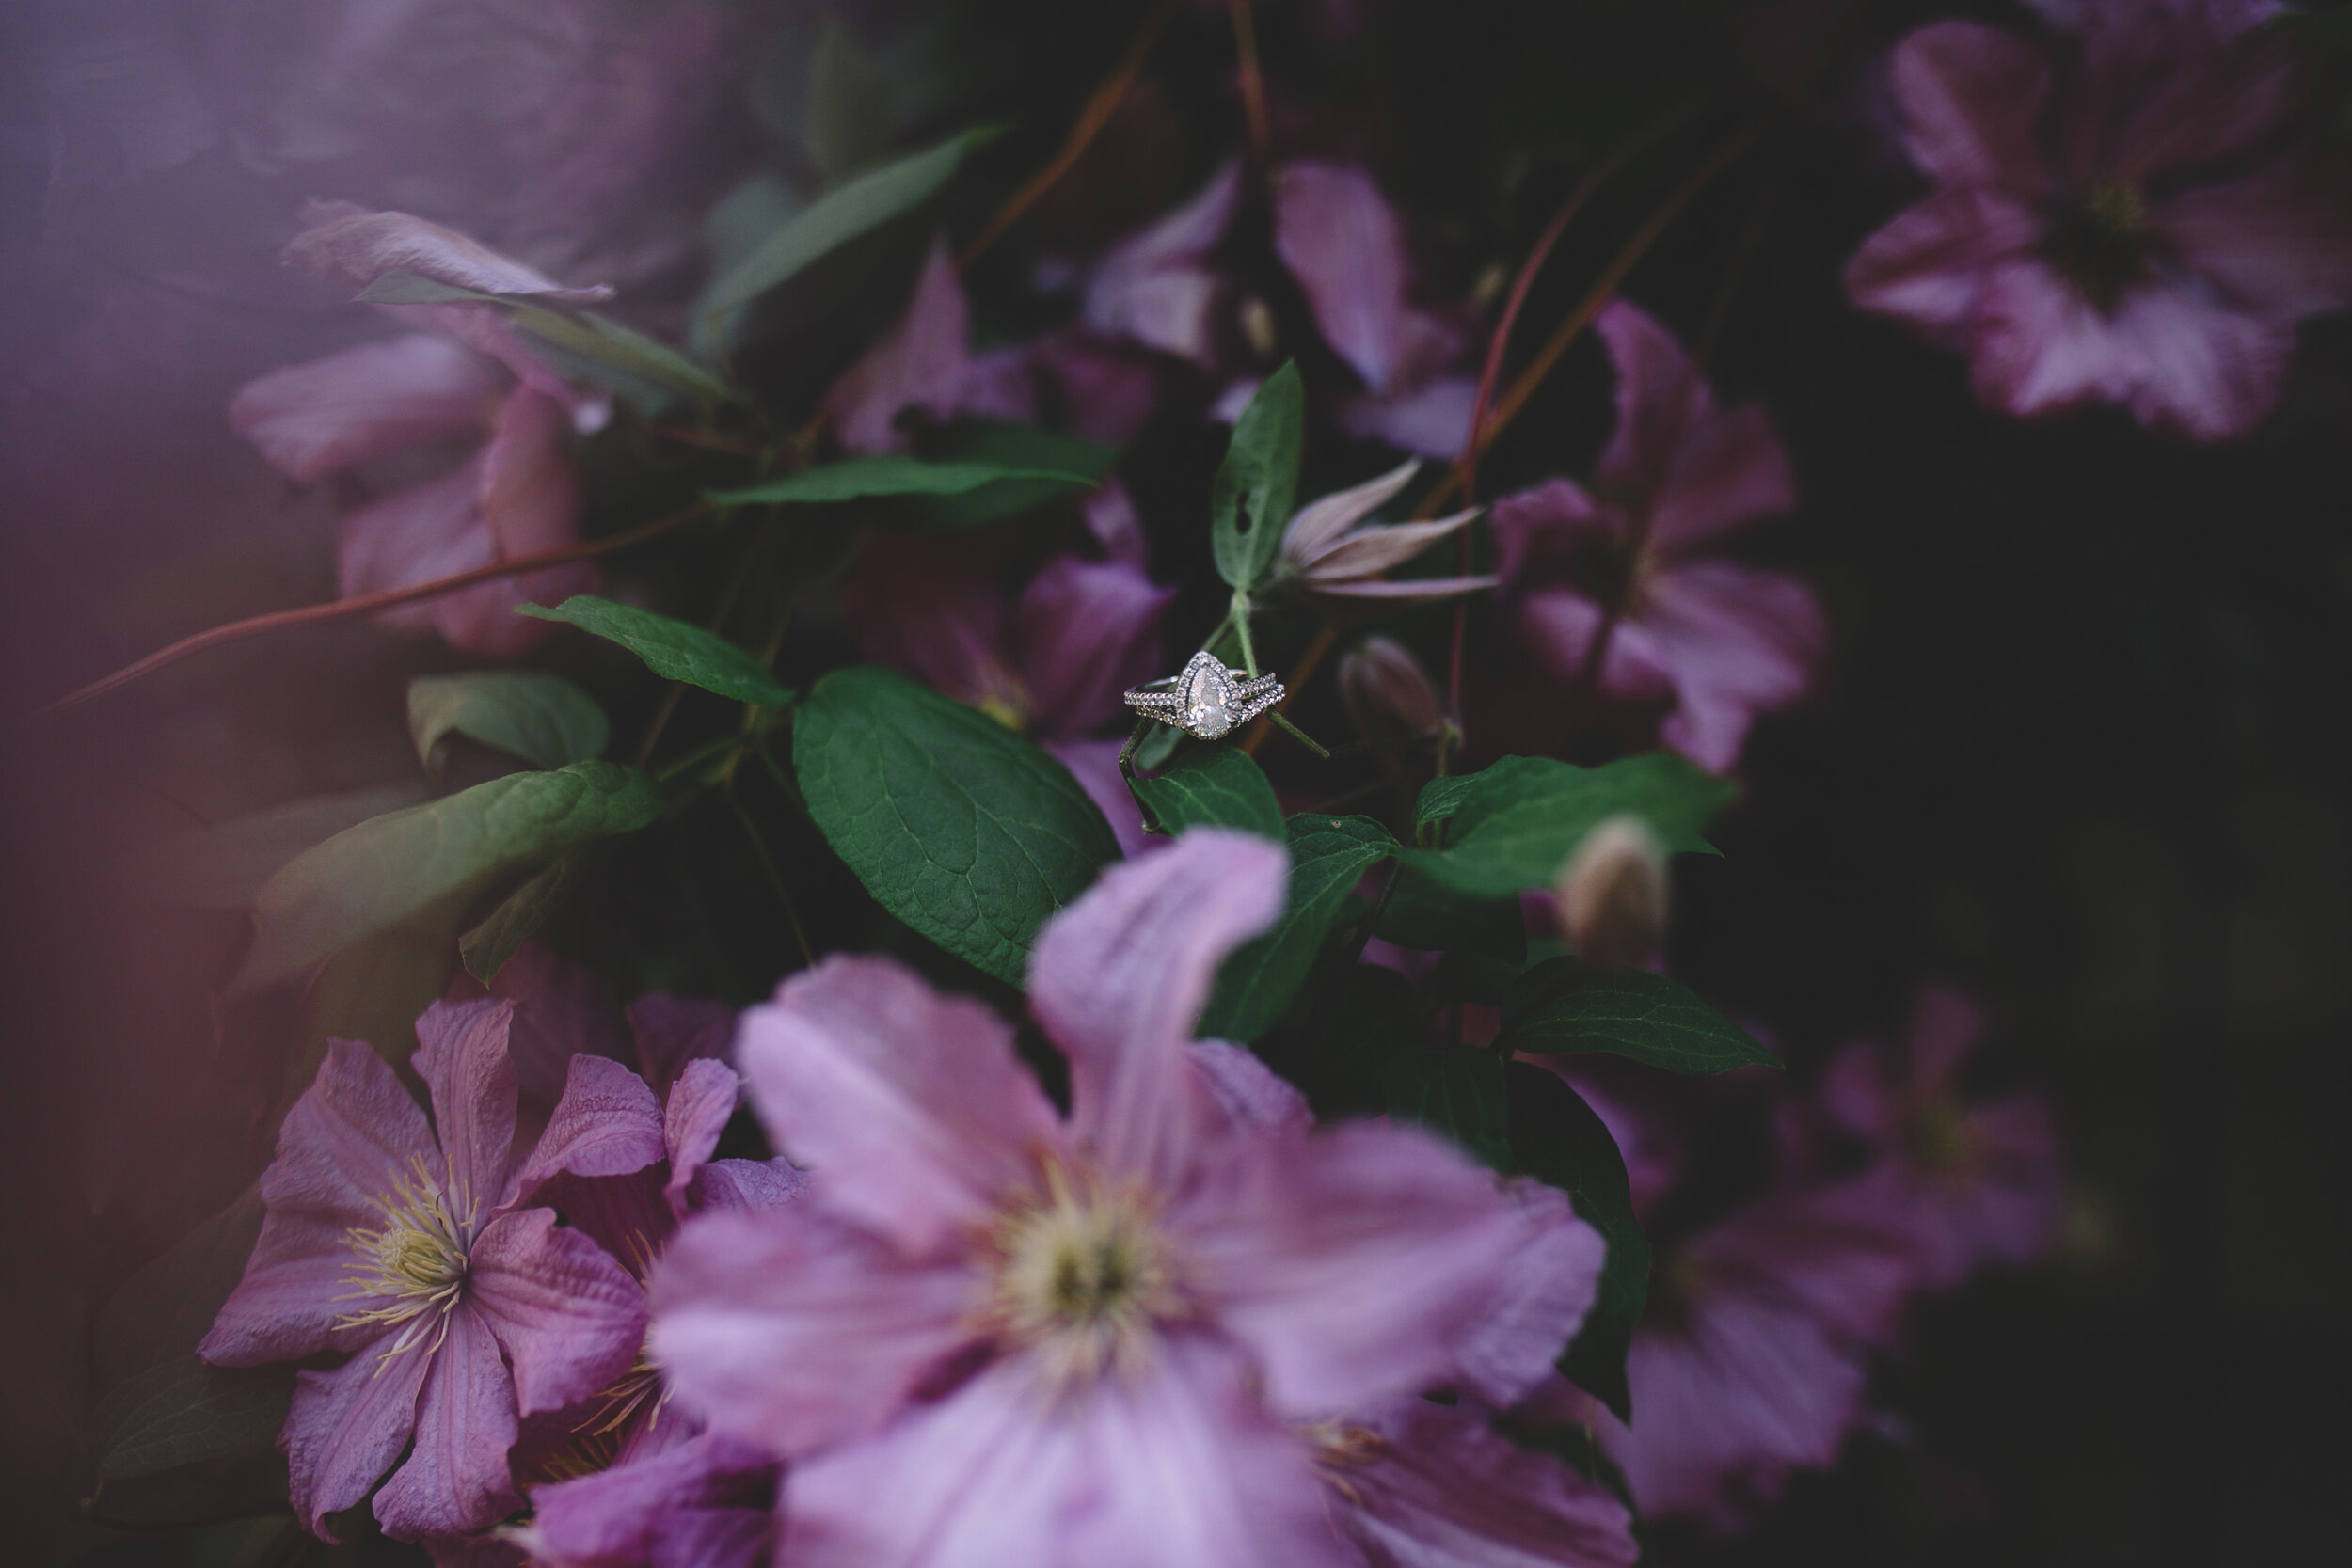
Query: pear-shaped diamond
x=1209 y=698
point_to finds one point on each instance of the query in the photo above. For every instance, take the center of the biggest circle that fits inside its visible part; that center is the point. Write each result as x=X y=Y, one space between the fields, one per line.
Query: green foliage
x=1009 y=446
x=1511 y=825
x=856 y=478
x=485 y=948
x=840 y=216
x=1250 y=503
x=1565 y=1006
x=601 y=348
x=967 y=832
x=1259 y=979
x=543 y=719
x=1458 y=1093
x=1557 y=1138
x=1217 y=786
x=370 y=878
x=671 y=648
x=162 y=1406
x=1426 y=913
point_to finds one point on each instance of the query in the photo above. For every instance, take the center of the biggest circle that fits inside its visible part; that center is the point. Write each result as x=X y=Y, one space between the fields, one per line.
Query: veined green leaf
x=1258 y=980
x=1458 y=1093
x=543 y=719
x=1249 y=505
x=671 y=648
x=1513 y=825
x=1564 y=1006
x=1211 y=786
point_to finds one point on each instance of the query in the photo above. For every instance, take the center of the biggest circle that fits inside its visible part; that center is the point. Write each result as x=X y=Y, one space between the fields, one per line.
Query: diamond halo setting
x=1208 y=700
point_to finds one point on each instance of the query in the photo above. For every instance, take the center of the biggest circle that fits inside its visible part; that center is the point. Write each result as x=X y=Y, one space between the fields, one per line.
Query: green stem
x=1238 y=617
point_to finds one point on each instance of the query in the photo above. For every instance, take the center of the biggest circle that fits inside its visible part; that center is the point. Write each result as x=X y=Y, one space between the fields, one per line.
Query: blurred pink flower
x=702 y=1500
x=1624 y=569
x=993 y=1334
x=1966 y=1182
x=402 y=1245
x=2130 y=220
x=924 y=363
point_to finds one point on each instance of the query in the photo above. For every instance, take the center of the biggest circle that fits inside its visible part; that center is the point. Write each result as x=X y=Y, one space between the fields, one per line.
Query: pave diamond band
x=1208 y=700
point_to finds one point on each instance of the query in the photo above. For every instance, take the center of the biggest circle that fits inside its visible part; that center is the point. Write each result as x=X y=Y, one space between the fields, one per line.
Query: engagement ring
x=1208 y=699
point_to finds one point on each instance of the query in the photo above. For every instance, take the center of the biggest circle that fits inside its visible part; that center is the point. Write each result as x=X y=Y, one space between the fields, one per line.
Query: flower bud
x=1612 y=894
x=1386 y=694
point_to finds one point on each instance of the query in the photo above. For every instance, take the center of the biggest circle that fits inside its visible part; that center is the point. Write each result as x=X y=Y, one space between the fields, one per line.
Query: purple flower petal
x=570 y=1318
x=456 y=1477
x=346 y=244
x=2278 y=240
x=1110 y=514
x=1350 y=1263
x=1095 y=764
x=1340 y=238
x=560 y=1012
x=1970 y=96
x=1321 y=522
x=1088 y=631
x=932 y=609
x=1558 y=625
x=292 y=1300
x=700 y=1103
x=1551 y=522
x=1430 y=418
x=1929 y=266
x=1172 y=1469
x=620 y=1515
x=1155 y=287
x=1739 y=643
x=346 y=1427
x=1700 y=471
x=921 y=363
x=909 y=1105
x=745 y=1185
x=364 y=403
x=461 y=1055
x=1118 y=978
x=605 y=1124
x=672 y=1031
x=796 y=1333
x=1548 y=1280
x=1249 y=1093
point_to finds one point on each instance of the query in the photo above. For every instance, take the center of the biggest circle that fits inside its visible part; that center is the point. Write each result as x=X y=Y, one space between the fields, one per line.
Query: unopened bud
x=1612 y=894
x=1259 y=328
x=1386 y=694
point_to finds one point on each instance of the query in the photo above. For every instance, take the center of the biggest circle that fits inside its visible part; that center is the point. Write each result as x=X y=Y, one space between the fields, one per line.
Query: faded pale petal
x=364 y=403
x=1172 y=1469
x=462 y=1058
x=455 y=1479
x=1549 y=1275
x=1340 y=238
x=1406 y=590
x=570 y=1318
x=1970 y=96
x=605 y=1124
x=1431 y=418
x=346 y=1427
x=1153 y=287
x=346 y=244
x=1929 y=266
x=1321 y=522
x=700 y=1103
x=797 y=1332
x=1375 y=549
x=1088 y=631
x=911 y=1104
x=672 y=1031
x=1350 y=1263
x=1118 y=978
x=1445 y=1492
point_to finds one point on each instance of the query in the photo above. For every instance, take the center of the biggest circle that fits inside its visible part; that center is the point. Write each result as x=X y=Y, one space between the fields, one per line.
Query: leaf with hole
x=1250 y=503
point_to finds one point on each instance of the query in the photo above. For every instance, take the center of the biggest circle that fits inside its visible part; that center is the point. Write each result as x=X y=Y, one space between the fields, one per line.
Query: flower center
x=414 y=1267
x=1940 y=1138
x=2100 y=243
x=1337 y=1450
x=1081 y=1272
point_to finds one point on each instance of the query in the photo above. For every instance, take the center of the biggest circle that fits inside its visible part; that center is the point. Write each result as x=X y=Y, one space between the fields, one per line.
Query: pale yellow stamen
x=415 y=1265
x=1080 y=1274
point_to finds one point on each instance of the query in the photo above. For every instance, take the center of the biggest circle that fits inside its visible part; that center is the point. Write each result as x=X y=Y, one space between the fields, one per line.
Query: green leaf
x=851 y=108
x=1567 y=1008
x=841 y=215
x=1428 y=914
x=1556 y=1138
x=671 y=648
x=1254 y=988
x=1516 y=823
x=1217 y=786
x=601 y=344
x=184 y=1411
x=1009 y=446
x=223 y=866
x=543 y=719
x=372 y=877
x=856 y=478
x=409 y=288
x=1458 y=1093
x=493 y=939
x=967 y=832
x=1441 y=797
x=1249 y=505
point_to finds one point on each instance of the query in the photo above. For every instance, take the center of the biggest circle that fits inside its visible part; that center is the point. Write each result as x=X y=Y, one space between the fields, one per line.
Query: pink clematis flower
x=1623 y=572
x=402 y=1245
x=993 y=1335
x=2127 y=219
x=516 y=495
x=1966 y=1182
x=1052 y=664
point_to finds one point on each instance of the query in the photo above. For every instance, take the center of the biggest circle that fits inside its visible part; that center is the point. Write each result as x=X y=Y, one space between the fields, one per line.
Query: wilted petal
x=570 y=1318
x=605 y=1124
x=1320 y=523
x=911 y=1104
x=1548 y=1278
x=1373 y=549
x=672 y=1031
x=921 y=363
x=1172 y=1469
x=1443 y=1490
x=455 y=1479
x=1153 y=287
x=1340 y=238
x=1739 y=643
x=1970 y=96
x=1119 y=977
x=346 y=1427
x=794 y=1332
x=366 y=401
x=700 y=1103
x=1086 y=630
x=1350 y=1263
x=346 y=244
x=1929 y=266
x=462 y=1058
